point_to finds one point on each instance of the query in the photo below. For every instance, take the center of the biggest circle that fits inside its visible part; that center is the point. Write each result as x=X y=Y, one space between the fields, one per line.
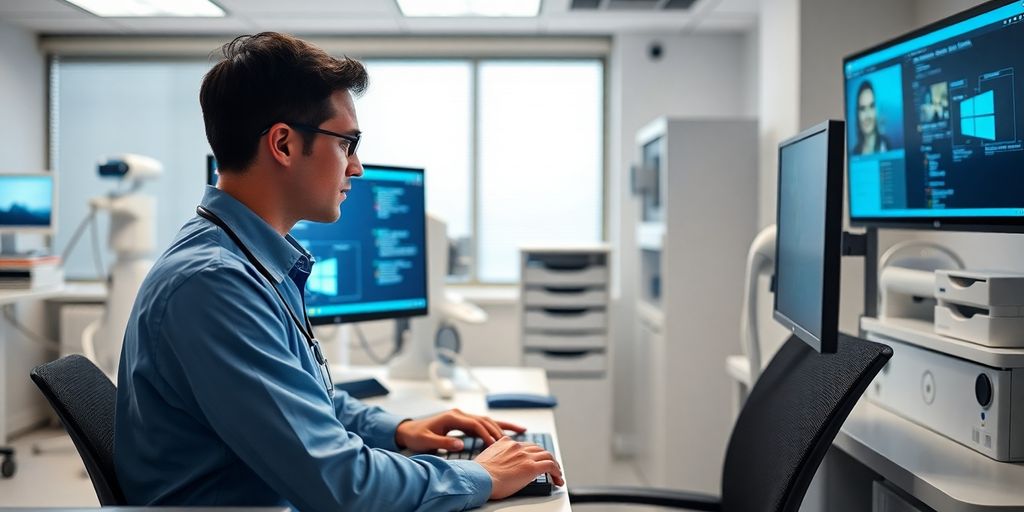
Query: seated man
x=223 y=395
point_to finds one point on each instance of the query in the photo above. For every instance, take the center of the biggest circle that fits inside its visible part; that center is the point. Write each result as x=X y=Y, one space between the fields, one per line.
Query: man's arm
x=277 y=417
x=376 y=426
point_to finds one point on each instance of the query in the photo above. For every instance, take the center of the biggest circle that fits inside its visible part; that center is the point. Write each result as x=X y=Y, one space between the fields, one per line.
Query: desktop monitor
x=934 y=128
x=372 y=262
x=27 y=202
x=809 y=236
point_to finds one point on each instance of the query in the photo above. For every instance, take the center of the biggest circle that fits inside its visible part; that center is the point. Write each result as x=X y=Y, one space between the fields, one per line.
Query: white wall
x=697 y=76
x=23 y=140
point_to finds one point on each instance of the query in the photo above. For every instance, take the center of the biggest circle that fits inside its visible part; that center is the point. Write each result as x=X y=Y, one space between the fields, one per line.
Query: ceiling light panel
x=150 y=8
x=449 y=8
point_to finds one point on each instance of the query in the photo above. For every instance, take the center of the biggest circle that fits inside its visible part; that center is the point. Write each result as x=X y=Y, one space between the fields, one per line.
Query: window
x=513 y=148
x=541 y=146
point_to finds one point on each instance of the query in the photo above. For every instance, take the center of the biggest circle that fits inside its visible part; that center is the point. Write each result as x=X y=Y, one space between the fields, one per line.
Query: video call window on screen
x=935 y=121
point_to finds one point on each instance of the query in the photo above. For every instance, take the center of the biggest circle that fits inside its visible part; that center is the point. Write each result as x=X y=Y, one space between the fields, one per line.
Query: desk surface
x=417 y=398
x=936 y=470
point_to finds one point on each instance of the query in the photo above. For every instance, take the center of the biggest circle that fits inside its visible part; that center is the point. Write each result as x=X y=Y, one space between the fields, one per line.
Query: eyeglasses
x=353 y=140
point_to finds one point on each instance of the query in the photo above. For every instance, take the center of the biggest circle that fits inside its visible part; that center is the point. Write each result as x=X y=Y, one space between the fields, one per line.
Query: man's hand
x=512 y=465
x=430 y=434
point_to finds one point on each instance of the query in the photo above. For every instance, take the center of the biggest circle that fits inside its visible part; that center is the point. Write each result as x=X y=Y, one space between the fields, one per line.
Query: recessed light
x=491 y=8
x=150 y=8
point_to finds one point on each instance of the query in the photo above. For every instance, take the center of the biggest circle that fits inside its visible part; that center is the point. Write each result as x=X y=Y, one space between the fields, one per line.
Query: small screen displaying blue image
x=372 y=262
x=935 y=124
x=26 y=201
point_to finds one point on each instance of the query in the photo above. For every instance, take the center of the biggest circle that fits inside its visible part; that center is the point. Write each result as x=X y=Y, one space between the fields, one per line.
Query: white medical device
x=133 y=239
x=984 y=307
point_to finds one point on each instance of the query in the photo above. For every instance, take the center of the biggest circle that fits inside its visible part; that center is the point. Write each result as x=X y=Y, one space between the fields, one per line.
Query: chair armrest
x=644 y=496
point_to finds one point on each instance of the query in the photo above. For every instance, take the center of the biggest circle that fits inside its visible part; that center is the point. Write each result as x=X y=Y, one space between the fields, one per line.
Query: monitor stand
x=9 y=248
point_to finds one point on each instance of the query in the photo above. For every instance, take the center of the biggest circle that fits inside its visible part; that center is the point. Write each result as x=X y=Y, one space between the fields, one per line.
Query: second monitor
x=810 y=229
x=371 y=263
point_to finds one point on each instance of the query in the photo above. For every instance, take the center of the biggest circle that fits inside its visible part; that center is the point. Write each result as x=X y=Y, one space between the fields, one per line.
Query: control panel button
x=928 y=387
x=983 y=390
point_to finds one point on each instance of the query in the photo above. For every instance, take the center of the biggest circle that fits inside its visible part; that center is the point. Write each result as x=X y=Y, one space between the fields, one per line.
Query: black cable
x=369 y=351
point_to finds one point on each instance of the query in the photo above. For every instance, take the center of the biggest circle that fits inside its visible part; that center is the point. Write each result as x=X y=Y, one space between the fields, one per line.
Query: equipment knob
x=983 y=390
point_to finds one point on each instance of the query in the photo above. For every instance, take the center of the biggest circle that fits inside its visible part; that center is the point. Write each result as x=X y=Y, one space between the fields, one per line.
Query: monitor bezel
x=980 y=224
x=398 y=313
x=827 y=343
x=37 y=230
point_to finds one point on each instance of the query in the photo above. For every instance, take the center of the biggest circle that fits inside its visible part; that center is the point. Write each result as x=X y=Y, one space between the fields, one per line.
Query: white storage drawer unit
x=564 y=298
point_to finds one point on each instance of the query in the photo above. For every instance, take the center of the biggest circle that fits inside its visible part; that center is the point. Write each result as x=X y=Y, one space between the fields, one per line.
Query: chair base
x=8 y=466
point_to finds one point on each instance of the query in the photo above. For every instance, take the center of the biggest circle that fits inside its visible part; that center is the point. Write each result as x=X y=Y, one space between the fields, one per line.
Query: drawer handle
x=565 y=311
x=564 y=291
x=566 y=353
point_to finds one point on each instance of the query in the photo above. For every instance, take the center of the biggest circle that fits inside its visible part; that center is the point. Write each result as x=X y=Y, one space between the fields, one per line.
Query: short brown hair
x=268 y=78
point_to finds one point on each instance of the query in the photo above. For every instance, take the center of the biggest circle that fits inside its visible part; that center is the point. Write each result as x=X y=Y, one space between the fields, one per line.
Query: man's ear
x=281 y=140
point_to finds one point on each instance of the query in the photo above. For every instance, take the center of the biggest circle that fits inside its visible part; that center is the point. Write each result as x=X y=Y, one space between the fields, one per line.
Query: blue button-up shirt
x=220 y=401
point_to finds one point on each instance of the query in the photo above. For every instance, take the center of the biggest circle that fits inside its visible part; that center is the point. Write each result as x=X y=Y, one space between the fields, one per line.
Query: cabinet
x=564 y=299
x=697 y=185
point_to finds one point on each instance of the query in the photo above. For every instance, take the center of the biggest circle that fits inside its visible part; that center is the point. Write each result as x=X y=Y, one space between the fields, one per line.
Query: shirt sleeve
x=277 y=418
x=375 y=425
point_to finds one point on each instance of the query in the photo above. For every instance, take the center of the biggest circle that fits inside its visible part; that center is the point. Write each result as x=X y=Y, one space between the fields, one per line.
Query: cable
x=78 y=233
x=369 y=351
x=37 y=338
x=97 y=257
x=461 y=362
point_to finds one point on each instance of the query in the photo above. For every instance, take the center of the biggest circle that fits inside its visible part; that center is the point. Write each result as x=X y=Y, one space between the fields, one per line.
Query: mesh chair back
x=790 y=419
x=84 y=398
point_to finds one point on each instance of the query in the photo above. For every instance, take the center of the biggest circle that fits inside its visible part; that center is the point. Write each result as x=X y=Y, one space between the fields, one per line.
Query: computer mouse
x=520 y=401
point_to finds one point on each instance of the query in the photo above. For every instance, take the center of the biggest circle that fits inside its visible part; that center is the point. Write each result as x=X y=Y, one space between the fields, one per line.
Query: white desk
x=936 y=470
x=417 y=398
x=16 y=363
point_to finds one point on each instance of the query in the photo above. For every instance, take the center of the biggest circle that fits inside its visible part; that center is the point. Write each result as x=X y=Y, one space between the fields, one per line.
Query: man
x=222 y=399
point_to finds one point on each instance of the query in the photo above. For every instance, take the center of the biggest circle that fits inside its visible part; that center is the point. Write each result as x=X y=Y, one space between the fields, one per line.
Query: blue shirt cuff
x=477 y=478
x=380 y=432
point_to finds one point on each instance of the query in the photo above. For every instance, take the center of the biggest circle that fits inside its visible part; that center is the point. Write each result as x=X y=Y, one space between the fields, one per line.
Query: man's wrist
x=399 y=441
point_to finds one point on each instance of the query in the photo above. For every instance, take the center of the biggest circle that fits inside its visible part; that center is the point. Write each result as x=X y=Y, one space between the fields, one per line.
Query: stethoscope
x=305 y=328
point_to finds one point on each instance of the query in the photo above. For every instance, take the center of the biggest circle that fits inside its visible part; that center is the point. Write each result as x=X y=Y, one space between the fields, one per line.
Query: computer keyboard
x=540 y=486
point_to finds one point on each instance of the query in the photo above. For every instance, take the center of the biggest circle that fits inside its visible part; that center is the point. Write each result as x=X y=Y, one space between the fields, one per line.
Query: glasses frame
x=353 y=140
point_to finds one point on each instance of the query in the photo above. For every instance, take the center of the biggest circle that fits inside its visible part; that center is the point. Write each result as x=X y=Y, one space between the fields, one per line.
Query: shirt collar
x=277 y=253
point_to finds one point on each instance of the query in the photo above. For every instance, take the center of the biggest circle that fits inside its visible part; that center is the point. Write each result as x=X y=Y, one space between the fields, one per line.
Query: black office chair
x=787 y=424
x=84 y=398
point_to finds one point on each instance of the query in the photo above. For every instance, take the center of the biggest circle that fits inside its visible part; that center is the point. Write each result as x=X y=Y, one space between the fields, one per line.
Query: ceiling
x=382 y=17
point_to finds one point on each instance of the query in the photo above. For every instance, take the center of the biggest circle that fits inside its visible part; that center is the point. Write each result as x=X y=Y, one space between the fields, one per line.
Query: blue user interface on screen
x=26 y=201
x=372 y=261
x=934 y=124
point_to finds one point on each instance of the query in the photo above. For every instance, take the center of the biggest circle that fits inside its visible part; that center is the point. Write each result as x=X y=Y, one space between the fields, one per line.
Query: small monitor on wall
x=27 y=202
x=809 y=236
x=935 y=125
